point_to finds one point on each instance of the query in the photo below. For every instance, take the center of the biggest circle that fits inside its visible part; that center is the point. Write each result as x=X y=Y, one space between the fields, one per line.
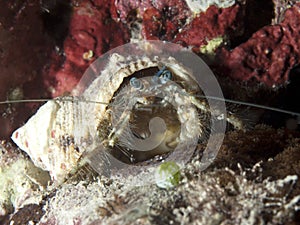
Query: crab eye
x=136 y=83
x=166 y=75
x=163 y=75
x=160 y=71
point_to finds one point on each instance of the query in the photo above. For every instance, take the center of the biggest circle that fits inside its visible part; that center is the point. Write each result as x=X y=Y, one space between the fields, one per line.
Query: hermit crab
x=137 y=106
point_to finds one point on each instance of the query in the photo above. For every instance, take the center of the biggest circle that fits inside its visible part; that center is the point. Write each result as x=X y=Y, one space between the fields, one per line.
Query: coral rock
x=92 y=32
x=269 y=55
x=161 y=19
x=215 y=22
x=178 y=8
x=152 y=24
x=21 y=183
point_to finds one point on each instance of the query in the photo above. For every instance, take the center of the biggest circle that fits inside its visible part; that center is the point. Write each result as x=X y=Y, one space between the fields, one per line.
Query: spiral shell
x=150 y=109
x=50 y=137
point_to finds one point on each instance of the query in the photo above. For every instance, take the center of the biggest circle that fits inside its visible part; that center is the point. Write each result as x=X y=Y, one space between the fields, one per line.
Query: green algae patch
x=211 y=46
x=167 y=175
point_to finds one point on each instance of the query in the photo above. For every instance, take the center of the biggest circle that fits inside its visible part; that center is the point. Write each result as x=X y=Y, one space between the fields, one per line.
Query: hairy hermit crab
x=135 y=107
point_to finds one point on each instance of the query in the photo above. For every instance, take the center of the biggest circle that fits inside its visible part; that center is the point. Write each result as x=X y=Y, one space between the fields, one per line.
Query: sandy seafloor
x=255 y=176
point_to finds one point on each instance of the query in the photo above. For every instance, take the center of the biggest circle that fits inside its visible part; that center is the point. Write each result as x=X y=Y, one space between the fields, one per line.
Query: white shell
x=52 y=137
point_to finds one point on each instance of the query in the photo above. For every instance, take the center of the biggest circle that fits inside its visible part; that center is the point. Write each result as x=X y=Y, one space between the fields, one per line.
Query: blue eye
x=136 y=83
x=164 y=74
x=167 y=75
x=160 y=72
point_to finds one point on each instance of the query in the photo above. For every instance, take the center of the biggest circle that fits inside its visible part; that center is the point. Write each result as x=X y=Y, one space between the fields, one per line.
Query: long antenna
x=200 y=96
x=51 y=99
x=251 y=104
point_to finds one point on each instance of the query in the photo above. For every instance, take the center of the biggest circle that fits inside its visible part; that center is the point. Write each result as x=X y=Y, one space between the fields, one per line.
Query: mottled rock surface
x=215 y=22
x=92 y=32
x=269 y=55
x=247 y=183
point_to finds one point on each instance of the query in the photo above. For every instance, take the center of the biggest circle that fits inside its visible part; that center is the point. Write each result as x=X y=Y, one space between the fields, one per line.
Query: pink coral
x=213 y=23
x=269 y=55
x=160 y=19
x=92 y=32
x=178 y=8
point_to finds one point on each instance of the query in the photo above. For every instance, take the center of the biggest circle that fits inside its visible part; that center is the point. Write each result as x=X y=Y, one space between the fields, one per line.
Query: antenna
x=52 y=99
x=76 y=100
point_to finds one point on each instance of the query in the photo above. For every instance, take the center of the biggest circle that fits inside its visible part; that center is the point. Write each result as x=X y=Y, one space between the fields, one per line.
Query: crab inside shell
x=149 y=110
x=150 y=113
